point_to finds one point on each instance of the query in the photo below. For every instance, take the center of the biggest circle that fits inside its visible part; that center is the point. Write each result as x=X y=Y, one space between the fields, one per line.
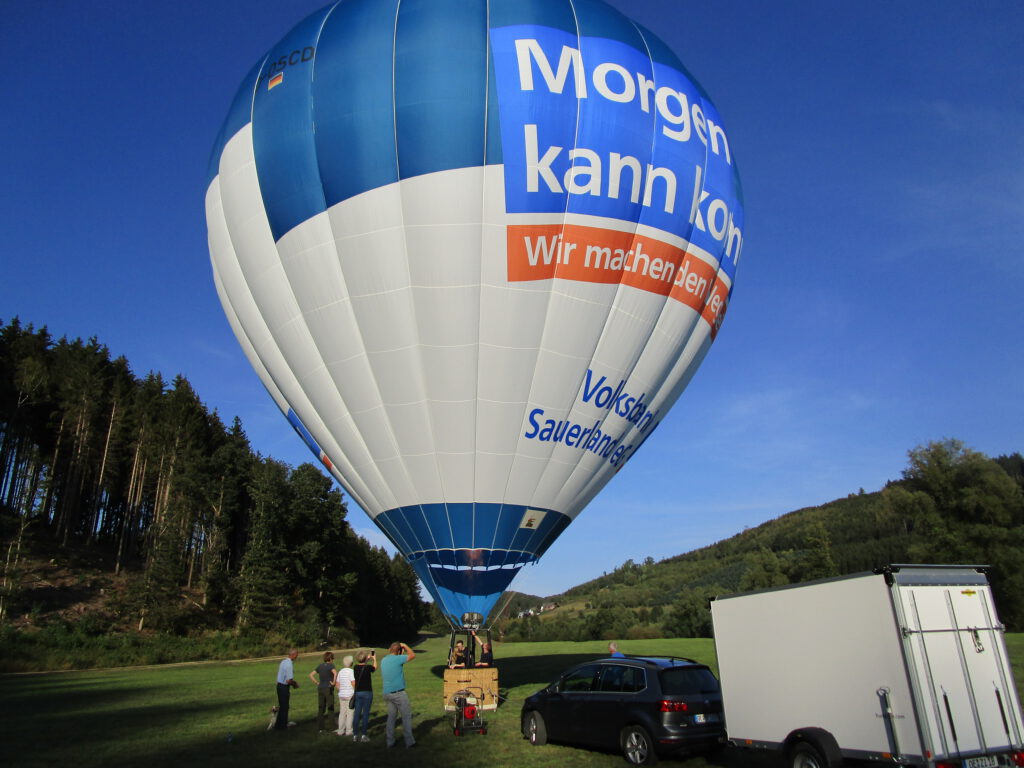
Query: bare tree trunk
x=10 y=575
x=72 y=502
x=10 y=449
x=194 y=540
x=217 y=510
x=134 y=495
x=98 y=488
x=54 y=474
x=33 y=488
x=17 y=470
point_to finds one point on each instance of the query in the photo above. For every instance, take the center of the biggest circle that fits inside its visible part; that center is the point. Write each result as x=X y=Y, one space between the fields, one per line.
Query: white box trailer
x=906 y=665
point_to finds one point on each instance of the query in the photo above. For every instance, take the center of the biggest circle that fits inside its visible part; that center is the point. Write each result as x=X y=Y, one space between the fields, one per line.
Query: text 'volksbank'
x=587 y=436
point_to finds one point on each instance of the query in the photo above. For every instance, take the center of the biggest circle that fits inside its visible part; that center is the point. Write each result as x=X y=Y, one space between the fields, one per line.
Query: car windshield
x=680 y=681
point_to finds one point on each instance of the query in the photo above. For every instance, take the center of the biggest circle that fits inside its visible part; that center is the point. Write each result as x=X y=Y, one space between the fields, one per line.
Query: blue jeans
x=361 y=716
x=399 y=704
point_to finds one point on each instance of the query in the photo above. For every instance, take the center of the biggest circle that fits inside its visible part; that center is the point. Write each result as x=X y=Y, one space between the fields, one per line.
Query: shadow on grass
x=182 y=717
x=69 y=697
x=121 y=729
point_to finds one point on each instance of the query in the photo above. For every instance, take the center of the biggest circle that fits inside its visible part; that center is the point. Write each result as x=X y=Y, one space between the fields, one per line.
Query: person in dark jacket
x=323 y=678
x=366 y=665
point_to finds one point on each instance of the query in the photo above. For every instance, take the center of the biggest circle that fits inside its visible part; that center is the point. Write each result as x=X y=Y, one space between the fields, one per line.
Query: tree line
x=206 y=533
x=951 y=505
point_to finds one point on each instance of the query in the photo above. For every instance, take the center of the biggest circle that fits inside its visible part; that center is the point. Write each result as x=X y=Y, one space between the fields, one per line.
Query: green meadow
x=182 y=715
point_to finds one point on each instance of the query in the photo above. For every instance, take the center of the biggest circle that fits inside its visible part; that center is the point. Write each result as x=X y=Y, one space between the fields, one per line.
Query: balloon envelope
x=475 y=250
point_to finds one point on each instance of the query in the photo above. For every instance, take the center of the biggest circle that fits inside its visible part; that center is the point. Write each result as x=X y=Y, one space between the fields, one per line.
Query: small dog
x=273 y=717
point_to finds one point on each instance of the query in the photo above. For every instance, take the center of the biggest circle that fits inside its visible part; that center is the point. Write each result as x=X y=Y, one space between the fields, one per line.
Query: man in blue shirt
x=285 y=682
x=392 y=674
x=614 y=652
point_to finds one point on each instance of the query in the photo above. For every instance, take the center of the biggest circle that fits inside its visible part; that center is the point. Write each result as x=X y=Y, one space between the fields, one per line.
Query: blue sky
x=878 y=300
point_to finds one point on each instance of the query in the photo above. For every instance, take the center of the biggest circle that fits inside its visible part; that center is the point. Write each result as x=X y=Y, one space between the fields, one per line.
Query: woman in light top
x=344 y=681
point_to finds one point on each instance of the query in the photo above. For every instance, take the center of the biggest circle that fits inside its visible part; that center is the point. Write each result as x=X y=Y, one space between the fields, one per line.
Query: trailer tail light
x=672 y=706
x=1017 y=758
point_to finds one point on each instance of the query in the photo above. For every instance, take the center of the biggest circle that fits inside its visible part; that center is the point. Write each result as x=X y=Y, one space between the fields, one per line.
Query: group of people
x=352 y=684
x=354 y=688
x=461 y=657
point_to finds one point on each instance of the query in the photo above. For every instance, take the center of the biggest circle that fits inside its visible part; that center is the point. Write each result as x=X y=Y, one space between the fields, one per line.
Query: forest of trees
x=138 y=477
x=205 y=533
x=951 y=505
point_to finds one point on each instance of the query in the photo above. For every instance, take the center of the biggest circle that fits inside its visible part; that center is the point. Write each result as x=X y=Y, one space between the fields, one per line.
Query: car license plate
x=986 y=761
x=703 y=719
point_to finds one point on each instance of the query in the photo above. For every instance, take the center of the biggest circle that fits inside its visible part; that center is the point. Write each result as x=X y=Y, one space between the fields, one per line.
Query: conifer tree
x=263 y=582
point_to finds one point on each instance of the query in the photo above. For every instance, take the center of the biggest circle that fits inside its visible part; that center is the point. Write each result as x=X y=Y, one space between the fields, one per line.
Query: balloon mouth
x=474 y=559
x=460 y=591
x=467 y=553
x=472 y=534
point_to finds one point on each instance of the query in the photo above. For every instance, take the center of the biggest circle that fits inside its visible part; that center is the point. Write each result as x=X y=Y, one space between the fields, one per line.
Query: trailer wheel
x=637 y=746
x=535 y=730
x=806 y=755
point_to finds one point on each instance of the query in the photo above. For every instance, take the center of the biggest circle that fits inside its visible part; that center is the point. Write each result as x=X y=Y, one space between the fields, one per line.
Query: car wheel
x=806 y=755
x=637 y=746
x=535 y=730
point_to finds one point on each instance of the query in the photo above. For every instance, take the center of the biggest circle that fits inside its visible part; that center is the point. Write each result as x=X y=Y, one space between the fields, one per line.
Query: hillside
x=126 y=502
x=952 y=505
x=132 y=516
x=66 y=584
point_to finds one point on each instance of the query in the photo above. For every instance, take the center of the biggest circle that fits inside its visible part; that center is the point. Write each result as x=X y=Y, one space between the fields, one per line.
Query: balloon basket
x=481 y=683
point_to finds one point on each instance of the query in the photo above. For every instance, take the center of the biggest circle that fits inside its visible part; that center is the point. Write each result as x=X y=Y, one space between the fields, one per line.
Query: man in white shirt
x=285 y=682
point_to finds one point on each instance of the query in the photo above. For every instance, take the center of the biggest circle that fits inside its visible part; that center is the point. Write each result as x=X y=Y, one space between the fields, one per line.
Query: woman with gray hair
x=345 y=683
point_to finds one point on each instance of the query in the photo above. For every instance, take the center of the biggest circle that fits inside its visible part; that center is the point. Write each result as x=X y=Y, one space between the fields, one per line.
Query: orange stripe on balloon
x=596 y=255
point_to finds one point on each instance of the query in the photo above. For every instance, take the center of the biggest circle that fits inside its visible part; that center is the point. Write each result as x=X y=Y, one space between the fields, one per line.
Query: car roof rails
x=683 y=659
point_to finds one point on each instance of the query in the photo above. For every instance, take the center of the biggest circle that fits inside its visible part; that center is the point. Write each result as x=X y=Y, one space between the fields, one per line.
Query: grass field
x=181 y=715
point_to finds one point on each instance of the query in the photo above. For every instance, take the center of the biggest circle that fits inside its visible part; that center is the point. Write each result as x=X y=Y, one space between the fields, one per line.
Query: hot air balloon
x=475 y=250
